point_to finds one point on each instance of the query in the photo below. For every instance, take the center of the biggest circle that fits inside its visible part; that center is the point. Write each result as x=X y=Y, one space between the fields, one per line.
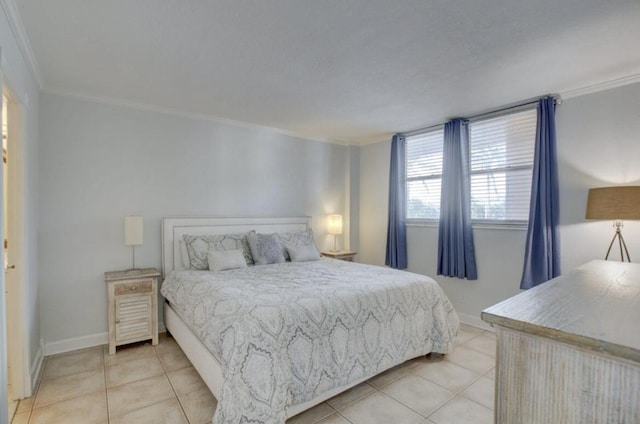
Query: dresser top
x=595 y=306
x=131 y=274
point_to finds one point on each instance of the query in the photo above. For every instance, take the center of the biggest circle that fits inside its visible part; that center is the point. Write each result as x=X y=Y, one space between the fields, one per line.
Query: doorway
x=12 y=402
x=17 y=371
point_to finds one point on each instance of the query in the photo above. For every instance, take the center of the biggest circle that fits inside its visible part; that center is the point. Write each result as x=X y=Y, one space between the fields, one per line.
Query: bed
x=271 y=341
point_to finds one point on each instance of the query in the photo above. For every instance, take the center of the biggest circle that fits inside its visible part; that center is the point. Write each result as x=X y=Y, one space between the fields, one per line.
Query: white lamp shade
x=334 y=224
x=133 y=226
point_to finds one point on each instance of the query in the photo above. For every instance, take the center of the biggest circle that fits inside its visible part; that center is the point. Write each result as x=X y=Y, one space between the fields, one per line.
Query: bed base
x=211 y=371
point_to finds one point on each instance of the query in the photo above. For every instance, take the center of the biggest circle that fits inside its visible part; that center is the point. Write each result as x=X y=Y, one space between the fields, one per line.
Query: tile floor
x=157 y=384
x=11 y=403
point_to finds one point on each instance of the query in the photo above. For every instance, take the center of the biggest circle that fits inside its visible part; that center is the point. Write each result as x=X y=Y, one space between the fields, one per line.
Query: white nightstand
x=133 y=306
x=343 y=255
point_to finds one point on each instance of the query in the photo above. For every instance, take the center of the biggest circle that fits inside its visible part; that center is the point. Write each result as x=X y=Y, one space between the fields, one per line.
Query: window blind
x=502 y=150
x=424 y=174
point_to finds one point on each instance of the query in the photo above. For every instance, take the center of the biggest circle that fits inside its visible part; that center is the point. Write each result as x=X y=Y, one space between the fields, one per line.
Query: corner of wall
x=37 y=366
x=474 y=321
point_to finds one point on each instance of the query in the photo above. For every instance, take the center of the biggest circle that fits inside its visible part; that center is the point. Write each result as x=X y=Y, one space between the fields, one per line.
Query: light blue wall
x=598 y=145
x=100 y=162
x=24 y=88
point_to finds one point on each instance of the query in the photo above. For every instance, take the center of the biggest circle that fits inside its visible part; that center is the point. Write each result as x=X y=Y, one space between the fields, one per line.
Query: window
x=424 y=174
x=501 y=150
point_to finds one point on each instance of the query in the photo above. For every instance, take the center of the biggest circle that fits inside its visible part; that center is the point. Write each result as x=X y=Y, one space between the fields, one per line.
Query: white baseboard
x=36 y=366
x=474 y=321
x=75 y=343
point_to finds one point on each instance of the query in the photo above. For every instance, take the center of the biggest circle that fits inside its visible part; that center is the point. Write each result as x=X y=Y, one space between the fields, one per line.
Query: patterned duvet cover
x=285 y=333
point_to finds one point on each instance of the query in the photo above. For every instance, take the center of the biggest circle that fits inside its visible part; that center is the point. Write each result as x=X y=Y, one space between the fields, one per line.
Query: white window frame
x=501 y=223
x=477 y=223
x=421 y=221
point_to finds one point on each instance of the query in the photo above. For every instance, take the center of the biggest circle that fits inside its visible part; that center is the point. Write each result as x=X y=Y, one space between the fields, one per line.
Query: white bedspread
x=288 y=332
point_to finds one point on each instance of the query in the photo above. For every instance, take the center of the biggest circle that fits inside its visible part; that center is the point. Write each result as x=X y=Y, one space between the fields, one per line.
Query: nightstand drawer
x=133 y=288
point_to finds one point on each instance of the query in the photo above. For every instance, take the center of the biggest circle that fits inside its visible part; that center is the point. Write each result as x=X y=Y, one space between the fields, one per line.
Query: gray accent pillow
x=303 y=253
x=222 y=260
x=265 y=248
x=295 y=239
x=199 y=246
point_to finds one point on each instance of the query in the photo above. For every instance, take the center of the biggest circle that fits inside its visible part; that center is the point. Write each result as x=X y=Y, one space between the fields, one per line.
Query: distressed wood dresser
x=569 y=350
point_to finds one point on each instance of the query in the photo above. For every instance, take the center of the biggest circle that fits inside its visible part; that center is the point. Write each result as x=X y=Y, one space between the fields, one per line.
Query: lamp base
x=335 y=243
x=621 y=243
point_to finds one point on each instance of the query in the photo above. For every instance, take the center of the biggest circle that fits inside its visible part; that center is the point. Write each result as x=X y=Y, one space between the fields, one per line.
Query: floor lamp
x=615 y=203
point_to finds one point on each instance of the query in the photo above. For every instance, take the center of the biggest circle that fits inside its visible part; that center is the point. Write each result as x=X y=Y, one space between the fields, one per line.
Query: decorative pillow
x=221 y=260
x=184 y=255
x=303 y=253
x=199 y=246
x=265 y=248
x=293 y=239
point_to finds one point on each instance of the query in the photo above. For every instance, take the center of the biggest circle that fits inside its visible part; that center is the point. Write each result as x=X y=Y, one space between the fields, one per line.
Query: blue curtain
x=456 y=251
x=397 y=230
x=542 y=251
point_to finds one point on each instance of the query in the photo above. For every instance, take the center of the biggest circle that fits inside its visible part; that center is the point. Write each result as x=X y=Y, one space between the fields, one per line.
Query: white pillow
x=199 y=246
x=304 y=253
x=222 y=260
x=296 y=238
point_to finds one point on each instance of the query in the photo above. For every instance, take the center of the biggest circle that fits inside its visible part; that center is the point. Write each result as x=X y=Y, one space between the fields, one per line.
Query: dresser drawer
x=133 y=288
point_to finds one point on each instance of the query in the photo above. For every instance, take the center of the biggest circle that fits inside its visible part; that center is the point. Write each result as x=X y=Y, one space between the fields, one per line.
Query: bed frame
x=207 y=366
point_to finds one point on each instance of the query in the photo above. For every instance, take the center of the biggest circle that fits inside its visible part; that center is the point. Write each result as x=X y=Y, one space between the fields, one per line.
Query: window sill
x=518 y=226
x=422 y=223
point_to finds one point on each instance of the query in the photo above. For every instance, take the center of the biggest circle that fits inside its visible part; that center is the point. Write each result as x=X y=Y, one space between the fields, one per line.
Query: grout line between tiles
x=346 y=419
x=447 y=388
x=474 y=401
x=104 y=381
x=417 y=412
x=175 y=393
x=333 y=411
x=65 y=400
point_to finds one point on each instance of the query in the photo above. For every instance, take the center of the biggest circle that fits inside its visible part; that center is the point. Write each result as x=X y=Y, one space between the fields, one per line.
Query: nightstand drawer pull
x=129 y=288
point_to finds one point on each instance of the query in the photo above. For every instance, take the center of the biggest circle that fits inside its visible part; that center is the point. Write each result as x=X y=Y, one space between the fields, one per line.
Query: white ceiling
x=353 y=71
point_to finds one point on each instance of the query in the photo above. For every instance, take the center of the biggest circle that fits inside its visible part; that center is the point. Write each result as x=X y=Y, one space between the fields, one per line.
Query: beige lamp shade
x=334 y=224
x=133 y=226
x=617 y=203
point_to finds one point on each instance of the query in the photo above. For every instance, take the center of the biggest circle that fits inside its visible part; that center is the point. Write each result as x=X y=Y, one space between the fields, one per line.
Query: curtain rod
x=486 y=114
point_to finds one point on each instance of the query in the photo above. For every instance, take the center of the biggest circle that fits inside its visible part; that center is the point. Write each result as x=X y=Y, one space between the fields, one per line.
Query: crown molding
x=601 y=86
x=113 y=101
x=15 y=22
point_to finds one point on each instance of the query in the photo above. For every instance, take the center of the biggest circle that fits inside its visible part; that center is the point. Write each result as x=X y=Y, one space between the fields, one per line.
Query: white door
x=14 y=350
x=3 y=321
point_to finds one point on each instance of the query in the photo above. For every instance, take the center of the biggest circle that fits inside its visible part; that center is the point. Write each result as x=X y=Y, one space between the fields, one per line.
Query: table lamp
x=133 y=226
x=334 y=226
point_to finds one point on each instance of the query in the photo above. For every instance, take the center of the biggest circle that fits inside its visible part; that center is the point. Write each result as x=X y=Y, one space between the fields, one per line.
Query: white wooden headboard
x=174 y=228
